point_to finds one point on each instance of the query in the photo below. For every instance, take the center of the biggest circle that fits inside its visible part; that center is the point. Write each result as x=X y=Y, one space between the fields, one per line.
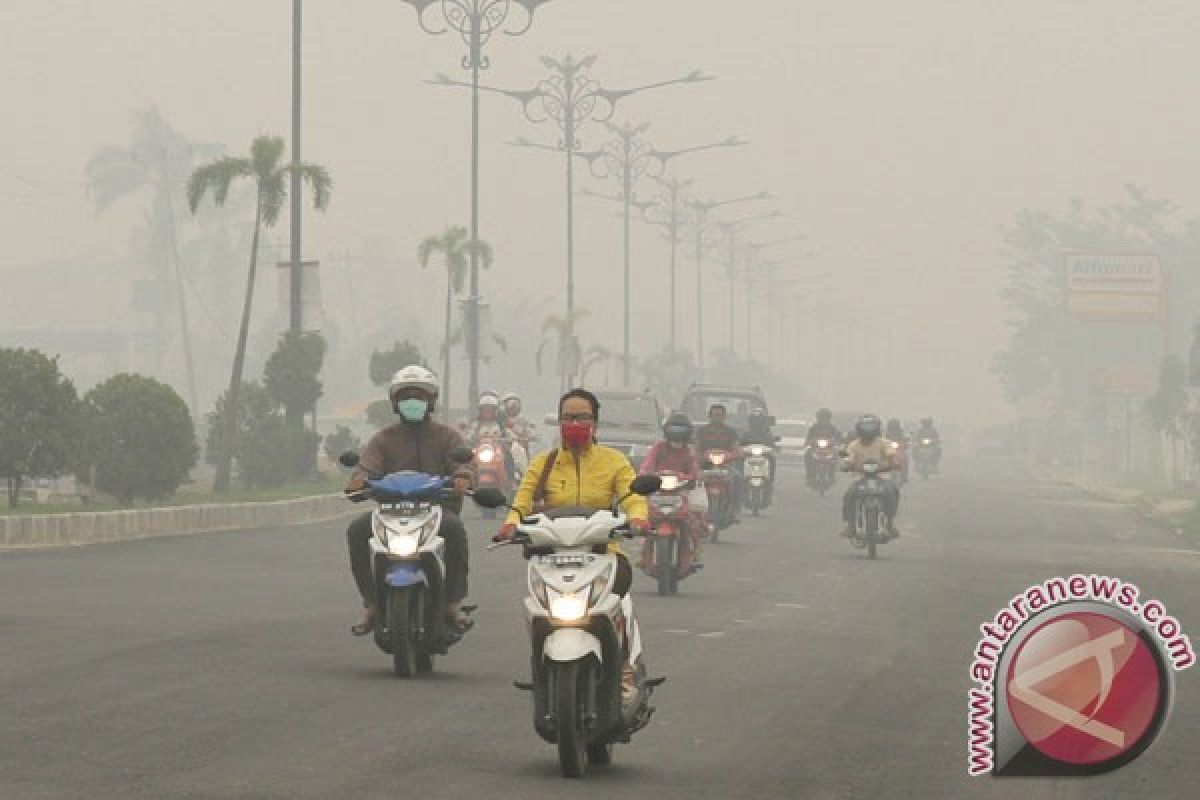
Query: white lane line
x=676 y=630
x=712 y=635
x=790 y=605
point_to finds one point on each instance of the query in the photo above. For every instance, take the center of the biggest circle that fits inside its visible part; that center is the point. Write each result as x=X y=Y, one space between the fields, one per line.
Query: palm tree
x=270 y=178
x=457 y=249
x=155 y=159
x=560 y=331
x=596 y=354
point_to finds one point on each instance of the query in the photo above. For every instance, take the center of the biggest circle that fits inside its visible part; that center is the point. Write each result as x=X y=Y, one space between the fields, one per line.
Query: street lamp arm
x=422 y=6
x=530 y=7
x=521 y=141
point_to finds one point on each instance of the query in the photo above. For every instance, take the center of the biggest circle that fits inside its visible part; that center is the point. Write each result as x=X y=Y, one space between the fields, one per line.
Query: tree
x=338 y=442
x=268 y=451
x=597 y=355
x=456 y=247
x=668 y=373
x=140 y=437
x=561 y=333
x=386 y=363
x=156 y=159
x=270 y=178
x=291 y=375
x=39 y=418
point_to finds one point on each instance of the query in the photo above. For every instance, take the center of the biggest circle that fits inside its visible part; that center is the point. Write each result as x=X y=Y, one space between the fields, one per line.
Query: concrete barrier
x=97 y=527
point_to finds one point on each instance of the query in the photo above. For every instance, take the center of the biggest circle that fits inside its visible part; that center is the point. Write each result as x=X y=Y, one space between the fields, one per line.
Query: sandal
x=366 y=626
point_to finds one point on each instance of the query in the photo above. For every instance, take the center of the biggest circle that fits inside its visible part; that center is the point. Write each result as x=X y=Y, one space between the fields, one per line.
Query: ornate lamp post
x=569 y=97
x=667 y=211
x=627 y=157
x=700 y=210
x=730 y=231
x=475 y=21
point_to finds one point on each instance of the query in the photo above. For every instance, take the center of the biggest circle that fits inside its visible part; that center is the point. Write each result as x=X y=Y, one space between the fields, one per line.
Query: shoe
x=459 y=623
x=629 y=687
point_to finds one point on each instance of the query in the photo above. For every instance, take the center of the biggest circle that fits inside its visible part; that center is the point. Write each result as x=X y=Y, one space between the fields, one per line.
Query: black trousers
x=358 y=537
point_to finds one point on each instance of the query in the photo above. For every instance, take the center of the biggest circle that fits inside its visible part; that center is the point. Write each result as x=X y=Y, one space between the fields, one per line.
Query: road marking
x=712 y=635
x=676 y=630
x=790 y=605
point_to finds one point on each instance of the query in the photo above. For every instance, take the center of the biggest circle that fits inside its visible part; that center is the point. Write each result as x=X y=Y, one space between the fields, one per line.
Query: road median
x=98 y=527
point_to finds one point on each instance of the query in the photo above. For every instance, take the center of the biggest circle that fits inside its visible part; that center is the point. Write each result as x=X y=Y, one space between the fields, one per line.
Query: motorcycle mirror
x=489 y=498
x=645 y=484
x=461 y=455
x=348 y=459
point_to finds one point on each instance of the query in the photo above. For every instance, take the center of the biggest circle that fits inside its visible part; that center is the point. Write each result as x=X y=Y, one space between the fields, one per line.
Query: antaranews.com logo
x=1074 y=677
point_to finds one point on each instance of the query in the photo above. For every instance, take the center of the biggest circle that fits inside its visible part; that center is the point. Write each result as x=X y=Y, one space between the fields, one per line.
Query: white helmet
x=510 y=396
x=415 y=376
x=489 y=398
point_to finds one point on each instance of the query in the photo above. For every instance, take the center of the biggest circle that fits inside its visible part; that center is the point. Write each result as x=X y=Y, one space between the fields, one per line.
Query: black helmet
x=678 y=428
x=868 y=427
x=824 y=414
x=894 y=426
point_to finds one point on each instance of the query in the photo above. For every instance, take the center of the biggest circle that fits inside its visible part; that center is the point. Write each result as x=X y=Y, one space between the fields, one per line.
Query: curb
x=1142 y=504
x=100 y=527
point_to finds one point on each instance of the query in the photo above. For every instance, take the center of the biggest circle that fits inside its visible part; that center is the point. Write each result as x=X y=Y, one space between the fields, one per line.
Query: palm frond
x=272 y=194
x=538 y=357
x=265 y=154
x=317 y=177
x=426 y=248
x=501 y=342
x=484 y=250
x=216 y=176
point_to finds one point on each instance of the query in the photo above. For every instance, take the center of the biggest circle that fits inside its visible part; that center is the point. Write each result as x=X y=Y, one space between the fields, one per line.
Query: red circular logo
x=1084 y=688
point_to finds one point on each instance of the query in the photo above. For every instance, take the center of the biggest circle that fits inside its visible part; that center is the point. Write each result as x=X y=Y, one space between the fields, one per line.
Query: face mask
x=576 y=434
x=412 y=409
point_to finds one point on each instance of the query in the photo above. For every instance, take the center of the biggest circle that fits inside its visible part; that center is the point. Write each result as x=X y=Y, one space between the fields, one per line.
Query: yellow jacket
x=600 y=476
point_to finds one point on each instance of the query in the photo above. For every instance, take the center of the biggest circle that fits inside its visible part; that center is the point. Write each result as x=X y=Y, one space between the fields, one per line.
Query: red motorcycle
x=491 y=468
x=899 y=448
x=822 y=466
x=720 y=482
x=667 y=553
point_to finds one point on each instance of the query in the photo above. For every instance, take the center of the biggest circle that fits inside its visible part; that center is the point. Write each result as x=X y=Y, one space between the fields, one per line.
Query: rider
x=759 y=432
x=927 y=431
x=717 y=435
x=520 y=428
x=583 y=472
x=489 y=423
x=674 y=454
x=870 y=445
x=823 y=428
x=415 y=443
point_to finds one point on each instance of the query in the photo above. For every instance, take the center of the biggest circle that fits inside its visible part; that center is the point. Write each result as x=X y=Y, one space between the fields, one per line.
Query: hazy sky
x=899 y=137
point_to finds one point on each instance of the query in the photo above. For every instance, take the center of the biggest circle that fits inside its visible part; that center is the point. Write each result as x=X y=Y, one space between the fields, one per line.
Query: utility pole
x=297 y=269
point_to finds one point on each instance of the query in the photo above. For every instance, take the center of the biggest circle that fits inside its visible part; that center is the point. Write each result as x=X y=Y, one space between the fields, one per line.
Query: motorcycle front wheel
x=571 y=690
x=664 y=562
x=399 y=626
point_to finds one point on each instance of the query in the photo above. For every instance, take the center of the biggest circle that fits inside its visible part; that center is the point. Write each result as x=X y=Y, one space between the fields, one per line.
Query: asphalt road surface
x=221 y=666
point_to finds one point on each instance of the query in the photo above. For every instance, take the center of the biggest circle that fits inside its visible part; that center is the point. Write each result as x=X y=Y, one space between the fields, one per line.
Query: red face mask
x=576 y=434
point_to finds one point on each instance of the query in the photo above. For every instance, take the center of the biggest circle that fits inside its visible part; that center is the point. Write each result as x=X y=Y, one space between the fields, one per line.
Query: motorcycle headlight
x=717 y=459
x=570 y=607
x=669 y=483
x=927 y=441
x=894 y=446
x=601 y=583
x=756 y=450
x=822 y=443
x=403 y=545
x=486 y=455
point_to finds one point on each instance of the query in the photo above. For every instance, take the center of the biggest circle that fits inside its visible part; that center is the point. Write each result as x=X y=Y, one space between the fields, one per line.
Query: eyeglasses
x=582 y=416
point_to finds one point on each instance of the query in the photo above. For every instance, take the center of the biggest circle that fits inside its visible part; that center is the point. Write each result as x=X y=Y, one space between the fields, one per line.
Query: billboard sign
x=1114 y=287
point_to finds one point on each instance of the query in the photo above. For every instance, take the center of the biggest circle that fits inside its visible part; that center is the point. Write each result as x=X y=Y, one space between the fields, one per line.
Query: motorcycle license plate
x=755 y=470
x=668 y=503
x=564 y=562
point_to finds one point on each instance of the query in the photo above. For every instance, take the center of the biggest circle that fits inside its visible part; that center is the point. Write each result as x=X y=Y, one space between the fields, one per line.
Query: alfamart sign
x=1113 y=287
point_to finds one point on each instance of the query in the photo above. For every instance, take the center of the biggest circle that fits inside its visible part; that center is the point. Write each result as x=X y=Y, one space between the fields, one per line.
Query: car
x=792 y=433
x=739 y=401
x=630 y=421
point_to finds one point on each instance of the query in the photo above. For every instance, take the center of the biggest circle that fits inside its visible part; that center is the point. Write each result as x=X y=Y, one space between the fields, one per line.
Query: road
x=220 y=666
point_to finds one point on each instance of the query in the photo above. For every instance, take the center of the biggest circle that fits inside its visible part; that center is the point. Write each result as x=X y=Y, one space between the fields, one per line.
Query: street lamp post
x=475 y=21
x=570 y=97
x=667 y=212
x=753 y=264
x=627 y=157
x=730 y=229
x=700 y=210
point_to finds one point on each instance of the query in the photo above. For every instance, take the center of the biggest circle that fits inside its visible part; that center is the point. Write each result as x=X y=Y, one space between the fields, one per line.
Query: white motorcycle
x=580 y=631
x=757 y=468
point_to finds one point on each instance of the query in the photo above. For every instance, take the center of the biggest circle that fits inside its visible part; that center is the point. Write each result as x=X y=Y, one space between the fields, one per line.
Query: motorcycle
x=899 y=448
x=925 y=457
x=871 y=522
x=720 y=485
x=757 y=466
x=408 y=562
x=822 y=466
x=580 y=631
x=667 y=552
x=491 y=468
